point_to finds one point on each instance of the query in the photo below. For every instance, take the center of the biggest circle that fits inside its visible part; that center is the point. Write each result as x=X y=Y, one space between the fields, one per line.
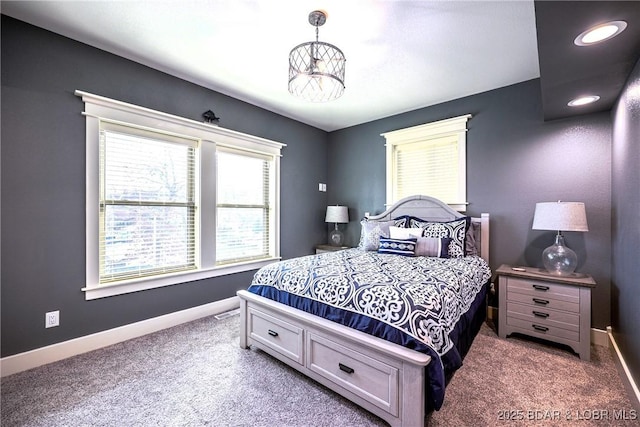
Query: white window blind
x=428 y=160
x=152 y=202
x=147 y=203
x=244 y=229
x=428 y=167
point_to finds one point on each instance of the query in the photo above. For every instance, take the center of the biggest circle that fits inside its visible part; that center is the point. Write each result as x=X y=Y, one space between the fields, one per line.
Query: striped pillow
x=404 y=247
x=433 y=246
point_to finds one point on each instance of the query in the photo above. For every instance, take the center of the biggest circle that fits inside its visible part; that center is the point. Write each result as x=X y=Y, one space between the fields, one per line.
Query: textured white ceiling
x=401 y=55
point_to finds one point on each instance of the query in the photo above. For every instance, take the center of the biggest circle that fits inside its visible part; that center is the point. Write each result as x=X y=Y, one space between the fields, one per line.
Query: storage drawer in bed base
x=384 y=378
x=277 y=334
x=371 y=379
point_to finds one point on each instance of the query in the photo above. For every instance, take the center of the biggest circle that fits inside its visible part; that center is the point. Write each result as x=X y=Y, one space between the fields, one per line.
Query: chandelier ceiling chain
x=316 y=69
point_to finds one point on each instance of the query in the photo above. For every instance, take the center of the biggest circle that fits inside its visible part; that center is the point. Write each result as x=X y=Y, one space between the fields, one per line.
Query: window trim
x=455 y=126
x=101 y=108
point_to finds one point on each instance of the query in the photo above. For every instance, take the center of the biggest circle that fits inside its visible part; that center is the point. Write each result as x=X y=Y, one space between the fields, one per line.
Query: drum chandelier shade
x=316 y=69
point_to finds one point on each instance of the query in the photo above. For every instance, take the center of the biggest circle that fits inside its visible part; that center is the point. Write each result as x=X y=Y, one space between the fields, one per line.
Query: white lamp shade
x=337 y=214
x=560 y=216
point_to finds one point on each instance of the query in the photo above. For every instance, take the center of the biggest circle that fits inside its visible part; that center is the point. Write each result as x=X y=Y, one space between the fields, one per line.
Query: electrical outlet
x=51 y=319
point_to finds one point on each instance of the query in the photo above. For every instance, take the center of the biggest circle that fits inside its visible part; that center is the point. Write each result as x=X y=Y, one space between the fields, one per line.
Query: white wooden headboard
x=429 y=208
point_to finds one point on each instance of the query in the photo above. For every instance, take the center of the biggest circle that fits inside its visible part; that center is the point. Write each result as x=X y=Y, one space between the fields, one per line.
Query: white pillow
x=401 y=232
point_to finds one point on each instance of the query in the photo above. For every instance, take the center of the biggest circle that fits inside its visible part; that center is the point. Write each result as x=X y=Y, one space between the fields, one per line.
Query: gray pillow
x=371 y=233
x=473 y=233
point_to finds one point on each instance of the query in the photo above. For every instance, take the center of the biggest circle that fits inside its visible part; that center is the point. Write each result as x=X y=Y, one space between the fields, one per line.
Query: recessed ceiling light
x=583 y=100
x=600 y=33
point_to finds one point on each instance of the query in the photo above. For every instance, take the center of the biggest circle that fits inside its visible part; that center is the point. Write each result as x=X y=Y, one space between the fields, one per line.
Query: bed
x=377 y=324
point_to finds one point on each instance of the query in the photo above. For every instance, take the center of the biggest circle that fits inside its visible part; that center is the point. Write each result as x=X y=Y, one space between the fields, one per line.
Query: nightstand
x=329 y=248
x=539 y=304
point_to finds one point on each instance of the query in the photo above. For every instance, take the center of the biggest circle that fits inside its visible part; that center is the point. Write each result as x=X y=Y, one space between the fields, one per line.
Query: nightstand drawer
x=278 y=335
x=543 y=301
x=371 y=379
x=543 y=316
x=543 y=289
x=539 y=329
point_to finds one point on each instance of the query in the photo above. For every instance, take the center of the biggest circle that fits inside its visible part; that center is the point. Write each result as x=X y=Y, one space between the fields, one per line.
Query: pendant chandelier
x=316 y=69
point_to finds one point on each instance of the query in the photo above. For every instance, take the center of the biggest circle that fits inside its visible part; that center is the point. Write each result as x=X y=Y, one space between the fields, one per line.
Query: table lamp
x=558 y=259
x=337 y=214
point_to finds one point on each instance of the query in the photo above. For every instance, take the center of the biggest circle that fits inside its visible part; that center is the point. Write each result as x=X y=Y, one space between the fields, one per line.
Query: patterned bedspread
x=412 y=301
x=422 y=296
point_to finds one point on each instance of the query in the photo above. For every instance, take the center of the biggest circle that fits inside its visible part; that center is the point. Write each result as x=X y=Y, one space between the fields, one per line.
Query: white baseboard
x=600 y=337
x=629 y=383
x=52 y=353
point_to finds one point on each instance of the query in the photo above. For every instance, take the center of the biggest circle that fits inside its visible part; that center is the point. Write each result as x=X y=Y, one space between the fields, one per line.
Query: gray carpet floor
x=195 y=374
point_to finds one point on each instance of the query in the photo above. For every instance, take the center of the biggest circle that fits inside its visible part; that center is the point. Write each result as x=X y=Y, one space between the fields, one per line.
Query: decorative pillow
x=399 y=232
x=402 y=221
x=455 y=230
x=425 y=246
x=371 y=233
x=473 y=233
x=433 y=246
x=404 y=247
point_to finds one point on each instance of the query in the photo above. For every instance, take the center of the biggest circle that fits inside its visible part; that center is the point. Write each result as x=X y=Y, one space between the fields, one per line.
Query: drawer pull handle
x=345 y=368
x=540 y=288
x=540 y=301
x=540 y=328
x=540 y=314
x=273 y=333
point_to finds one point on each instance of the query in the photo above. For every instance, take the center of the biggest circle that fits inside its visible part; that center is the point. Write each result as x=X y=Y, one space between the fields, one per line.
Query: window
x=430 y=160
x=171 y=200
x=244 y=210
x=147 y=203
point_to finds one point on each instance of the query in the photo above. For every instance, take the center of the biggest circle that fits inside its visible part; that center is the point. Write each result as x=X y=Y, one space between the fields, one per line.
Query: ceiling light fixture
x=600 y=33
x=583 y=100
x=316 y=69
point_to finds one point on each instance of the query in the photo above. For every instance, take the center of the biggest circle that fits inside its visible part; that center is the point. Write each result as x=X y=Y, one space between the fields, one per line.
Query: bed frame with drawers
x=382 y=377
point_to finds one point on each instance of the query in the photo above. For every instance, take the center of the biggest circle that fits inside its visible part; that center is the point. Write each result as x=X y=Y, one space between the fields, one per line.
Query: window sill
x=111 y=289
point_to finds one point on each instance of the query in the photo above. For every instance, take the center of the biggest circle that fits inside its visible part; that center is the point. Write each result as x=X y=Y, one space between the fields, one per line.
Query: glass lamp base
x=559 y=259
x=336 y=238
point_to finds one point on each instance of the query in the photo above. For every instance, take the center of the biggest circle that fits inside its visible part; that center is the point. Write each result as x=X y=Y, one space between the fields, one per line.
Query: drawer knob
x=272 y=333
x=540 y=314
x=540 y=328
x=345 y=368
x=540 y=301
x=540 y=288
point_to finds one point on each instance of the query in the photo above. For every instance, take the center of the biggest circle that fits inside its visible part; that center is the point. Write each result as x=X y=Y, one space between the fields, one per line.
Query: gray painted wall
x=43 y=183
x=625 y=277
x=514 y=159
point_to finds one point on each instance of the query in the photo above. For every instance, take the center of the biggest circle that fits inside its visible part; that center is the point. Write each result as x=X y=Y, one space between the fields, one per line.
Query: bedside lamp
x=560 y=216
x=337 y=214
